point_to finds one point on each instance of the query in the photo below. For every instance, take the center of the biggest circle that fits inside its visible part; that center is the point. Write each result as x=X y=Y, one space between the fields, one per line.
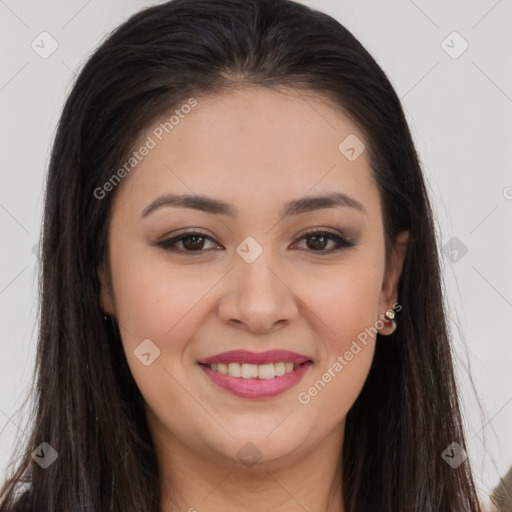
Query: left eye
x=321 y=238
x=316 y=241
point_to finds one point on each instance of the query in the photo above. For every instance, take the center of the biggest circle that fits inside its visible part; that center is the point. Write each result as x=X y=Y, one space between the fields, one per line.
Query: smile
x=254 y=375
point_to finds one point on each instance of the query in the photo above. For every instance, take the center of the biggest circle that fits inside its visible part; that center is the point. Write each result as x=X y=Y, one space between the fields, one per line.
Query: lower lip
x=257 y=388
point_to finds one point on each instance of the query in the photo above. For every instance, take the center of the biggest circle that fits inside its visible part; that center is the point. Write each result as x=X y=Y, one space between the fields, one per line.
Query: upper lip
x=245 y=356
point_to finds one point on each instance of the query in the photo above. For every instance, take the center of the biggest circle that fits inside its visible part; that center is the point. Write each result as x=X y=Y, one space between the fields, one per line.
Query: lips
x=256 y=374
x=245 y=356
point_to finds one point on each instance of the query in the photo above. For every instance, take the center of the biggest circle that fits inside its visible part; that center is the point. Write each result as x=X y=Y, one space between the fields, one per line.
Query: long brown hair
x=88 y=406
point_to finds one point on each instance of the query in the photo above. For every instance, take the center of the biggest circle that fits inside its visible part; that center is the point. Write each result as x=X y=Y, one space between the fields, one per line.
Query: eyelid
x=320 y=230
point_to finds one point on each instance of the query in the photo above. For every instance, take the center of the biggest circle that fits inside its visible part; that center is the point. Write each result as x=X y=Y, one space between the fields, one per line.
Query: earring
x=390 y=318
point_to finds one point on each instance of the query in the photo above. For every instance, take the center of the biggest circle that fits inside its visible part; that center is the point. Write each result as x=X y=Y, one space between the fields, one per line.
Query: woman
x=241 y=298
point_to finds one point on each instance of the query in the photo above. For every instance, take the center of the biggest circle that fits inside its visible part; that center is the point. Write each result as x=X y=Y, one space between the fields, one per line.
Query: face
x=289 y=284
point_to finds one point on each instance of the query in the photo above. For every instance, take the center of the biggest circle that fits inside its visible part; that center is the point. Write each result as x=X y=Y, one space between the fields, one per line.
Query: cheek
x=153 y=299
x=347 y=305
x=158 y=303
x=345 y=299
x=165 y=304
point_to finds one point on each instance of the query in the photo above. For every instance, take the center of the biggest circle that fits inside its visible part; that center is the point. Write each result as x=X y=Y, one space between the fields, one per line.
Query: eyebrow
x=217 y=207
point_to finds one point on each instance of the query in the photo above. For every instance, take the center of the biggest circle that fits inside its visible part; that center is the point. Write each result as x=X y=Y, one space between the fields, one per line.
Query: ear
x=389 y=293
x=106 y=297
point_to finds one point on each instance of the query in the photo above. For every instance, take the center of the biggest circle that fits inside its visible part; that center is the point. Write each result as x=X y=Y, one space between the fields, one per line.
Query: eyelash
x=342 y=243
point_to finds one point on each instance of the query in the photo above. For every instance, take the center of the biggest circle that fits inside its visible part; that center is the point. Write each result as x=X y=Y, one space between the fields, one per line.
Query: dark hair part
x=88 y=405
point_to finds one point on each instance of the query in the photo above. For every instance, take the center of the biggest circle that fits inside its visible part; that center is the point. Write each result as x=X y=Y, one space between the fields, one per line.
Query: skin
x=255 y=148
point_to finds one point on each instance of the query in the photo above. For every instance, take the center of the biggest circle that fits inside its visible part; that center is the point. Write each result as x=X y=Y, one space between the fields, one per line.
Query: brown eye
x=187 y=242
x=317 y=241
x=193 y=243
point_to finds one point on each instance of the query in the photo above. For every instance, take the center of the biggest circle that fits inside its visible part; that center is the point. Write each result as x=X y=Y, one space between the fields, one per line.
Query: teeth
x=254 y=371
x=279 y=369
x=234 y=370
x=266 y=371
x=248 y=371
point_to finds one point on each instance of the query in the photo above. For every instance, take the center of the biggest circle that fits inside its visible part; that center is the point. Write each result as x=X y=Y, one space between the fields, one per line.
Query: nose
x=258 y=297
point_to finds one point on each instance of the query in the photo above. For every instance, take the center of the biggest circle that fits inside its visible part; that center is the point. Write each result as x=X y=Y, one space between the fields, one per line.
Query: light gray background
x=460 y=113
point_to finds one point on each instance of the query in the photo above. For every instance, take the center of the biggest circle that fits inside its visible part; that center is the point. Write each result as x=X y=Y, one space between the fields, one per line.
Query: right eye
x=192 y=241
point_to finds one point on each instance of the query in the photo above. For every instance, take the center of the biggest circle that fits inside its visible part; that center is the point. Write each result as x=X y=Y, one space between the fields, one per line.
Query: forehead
x=252 y=144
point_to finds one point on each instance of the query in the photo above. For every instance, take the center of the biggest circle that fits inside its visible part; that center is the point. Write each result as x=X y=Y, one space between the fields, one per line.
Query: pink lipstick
x=256 y=374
